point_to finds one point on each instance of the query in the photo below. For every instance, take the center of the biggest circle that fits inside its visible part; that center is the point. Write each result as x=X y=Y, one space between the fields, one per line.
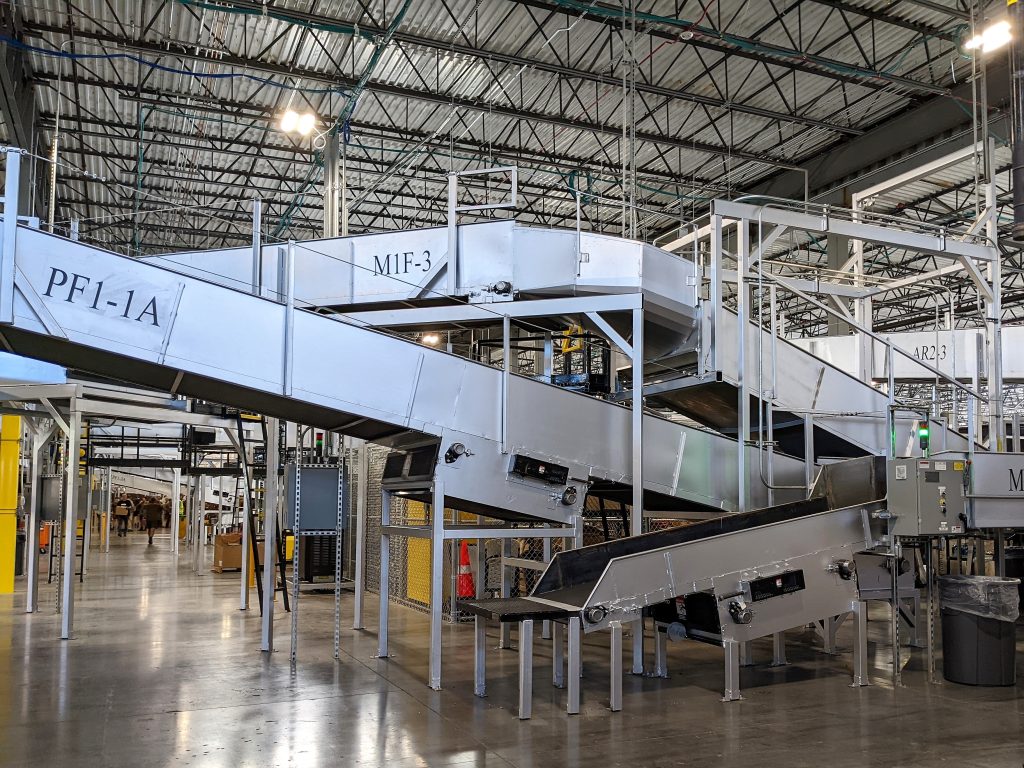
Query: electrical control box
x=926 y=496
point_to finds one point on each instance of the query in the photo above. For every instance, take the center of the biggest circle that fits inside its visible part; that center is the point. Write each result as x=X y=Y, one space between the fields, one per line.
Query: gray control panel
x=926 y=496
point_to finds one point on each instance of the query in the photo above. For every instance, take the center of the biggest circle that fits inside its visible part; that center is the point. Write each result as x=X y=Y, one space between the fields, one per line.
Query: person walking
x=153 y=514
x=122 y=510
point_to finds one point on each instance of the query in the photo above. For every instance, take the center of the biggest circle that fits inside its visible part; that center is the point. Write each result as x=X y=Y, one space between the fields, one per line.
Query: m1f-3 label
x=401 y=263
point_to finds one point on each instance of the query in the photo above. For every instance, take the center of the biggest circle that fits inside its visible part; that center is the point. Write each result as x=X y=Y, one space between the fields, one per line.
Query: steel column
x=10 y=234
x=271 y=494
x=87 y=523
x=994 y=321
x=636 y=518
x=894 y=616
x=40 y=438
x=453 y=236
x=557 y=655
x=436 y=582
x=809 y=451
x=363 y=464
x=930 y=584
x=70 y=523
x=715 y=294
x=257 y=246
x=330 y=184
x=175 y=507
x=382 y=591
x=506 y=370
x=742 y=253
x=505 y=634
x=108 y=505
x=247 y=532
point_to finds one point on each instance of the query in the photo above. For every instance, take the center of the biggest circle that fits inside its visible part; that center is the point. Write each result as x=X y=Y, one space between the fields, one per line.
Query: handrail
x=862 y=216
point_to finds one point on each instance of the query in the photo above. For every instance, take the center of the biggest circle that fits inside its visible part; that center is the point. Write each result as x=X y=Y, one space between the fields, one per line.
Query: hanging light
x=431 y=338
x=306 y=122
x=289 y=121
x=994 y=37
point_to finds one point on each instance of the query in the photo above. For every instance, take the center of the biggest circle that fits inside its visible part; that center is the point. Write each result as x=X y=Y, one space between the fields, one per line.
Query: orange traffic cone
x=465 y=587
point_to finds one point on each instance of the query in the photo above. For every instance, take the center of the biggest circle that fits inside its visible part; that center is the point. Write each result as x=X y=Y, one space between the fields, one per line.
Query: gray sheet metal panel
x=678 y=461
x=357 y=270
x=997 y=482
x=544 y=261
x=51 y=493
x=721 y=563
x=233 y=337
x=806 y=383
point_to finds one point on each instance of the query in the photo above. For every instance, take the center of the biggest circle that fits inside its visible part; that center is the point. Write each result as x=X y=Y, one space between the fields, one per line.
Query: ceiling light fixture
x=294 y=122
x=306 y=123
x=994 y=37
x=289 y=121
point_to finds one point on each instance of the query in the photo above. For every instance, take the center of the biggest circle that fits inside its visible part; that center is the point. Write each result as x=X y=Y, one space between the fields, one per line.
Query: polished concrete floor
x=165 y=670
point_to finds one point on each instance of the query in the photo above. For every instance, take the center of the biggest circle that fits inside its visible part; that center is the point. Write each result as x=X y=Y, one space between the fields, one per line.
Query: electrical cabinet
x=926 y=496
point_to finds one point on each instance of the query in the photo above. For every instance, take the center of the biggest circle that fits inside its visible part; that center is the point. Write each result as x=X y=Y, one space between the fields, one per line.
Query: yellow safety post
x=10 y=455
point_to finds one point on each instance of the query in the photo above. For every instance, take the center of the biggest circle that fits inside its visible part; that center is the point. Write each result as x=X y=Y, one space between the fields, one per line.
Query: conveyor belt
x=572 y=574
x=507 y=609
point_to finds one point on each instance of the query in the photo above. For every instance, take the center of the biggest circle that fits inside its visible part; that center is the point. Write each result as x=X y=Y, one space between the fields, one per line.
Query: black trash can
x=979 y=639
x=19 y=553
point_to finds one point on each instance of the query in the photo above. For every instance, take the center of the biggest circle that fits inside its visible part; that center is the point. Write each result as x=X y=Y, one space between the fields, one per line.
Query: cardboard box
x=227 y=552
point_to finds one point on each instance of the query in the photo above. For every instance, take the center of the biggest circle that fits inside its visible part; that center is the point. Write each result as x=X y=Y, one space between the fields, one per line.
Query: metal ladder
x=248 y=479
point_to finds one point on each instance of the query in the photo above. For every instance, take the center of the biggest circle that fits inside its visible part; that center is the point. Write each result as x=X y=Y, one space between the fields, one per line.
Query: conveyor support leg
x=732 y=671
x=526 y=669
x=860 y=644
x=480 y=656
x=616 y=666
x=557 y=654
x=573 y=704
x=779 y=649
x=660 y=653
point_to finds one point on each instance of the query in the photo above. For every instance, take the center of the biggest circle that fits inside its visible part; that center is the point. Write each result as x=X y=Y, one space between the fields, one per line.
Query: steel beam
x=425 y=317
x=436 y=582
x=70 y=524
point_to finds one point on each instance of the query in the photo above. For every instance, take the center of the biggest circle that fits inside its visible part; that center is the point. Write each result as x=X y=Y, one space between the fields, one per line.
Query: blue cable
x=164 y=68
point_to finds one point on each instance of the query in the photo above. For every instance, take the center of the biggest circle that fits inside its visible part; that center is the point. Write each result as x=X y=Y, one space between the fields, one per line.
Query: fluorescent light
x=993 y=38
x=306 y=122
x=432 y=339
x=289 y=121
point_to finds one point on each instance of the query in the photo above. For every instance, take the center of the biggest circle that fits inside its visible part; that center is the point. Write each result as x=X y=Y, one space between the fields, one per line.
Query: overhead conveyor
x=139 y=322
